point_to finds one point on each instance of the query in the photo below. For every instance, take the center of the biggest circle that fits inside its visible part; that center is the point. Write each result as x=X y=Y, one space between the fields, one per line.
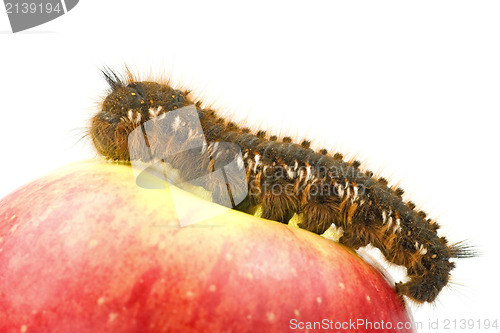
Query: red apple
x=87 y=250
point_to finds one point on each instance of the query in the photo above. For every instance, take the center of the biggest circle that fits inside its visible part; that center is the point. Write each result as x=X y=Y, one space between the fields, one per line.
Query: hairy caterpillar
x=322 y=187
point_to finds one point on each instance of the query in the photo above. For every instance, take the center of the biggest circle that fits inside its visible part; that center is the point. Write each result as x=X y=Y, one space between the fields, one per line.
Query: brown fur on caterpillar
x=321 y=187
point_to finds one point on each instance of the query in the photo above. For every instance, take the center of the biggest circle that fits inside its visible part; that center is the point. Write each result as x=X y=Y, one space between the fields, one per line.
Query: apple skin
x=85 y=249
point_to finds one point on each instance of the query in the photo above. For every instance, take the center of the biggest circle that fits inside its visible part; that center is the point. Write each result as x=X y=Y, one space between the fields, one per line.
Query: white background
x=410 y=88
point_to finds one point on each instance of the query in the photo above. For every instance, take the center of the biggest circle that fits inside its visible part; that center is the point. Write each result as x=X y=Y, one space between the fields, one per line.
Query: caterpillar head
x=128 y=105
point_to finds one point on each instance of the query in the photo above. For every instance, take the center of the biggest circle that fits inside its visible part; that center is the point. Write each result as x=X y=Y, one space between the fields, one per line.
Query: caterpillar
x=323 y=187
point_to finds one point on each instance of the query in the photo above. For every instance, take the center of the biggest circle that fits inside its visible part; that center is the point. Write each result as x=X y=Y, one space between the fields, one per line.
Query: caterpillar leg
x=275 y=204
x=278 y=205
x=352 y=240
x=316 y=218
x=320 y=209
x=426 y=287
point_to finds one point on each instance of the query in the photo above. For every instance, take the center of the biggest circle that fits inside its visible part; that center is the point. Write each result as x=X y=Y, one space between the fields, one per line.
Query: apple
x=85 y=249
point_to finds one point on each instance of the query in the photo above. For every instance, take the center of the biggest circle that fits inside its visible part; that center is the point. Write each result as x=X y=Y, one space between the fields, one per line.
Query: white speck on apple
x=92 y=243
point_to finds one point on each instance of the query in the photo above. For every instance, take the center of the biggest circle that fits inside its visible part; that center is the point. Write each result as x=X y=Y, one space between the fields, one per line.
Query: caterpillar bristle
x=261 y=134
x=338 y=156
x=112 y=78
x=433 y=225
x=463 y=250
x=305 y=144
x=383 y=181
x=422 y=214
x=287 y=139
